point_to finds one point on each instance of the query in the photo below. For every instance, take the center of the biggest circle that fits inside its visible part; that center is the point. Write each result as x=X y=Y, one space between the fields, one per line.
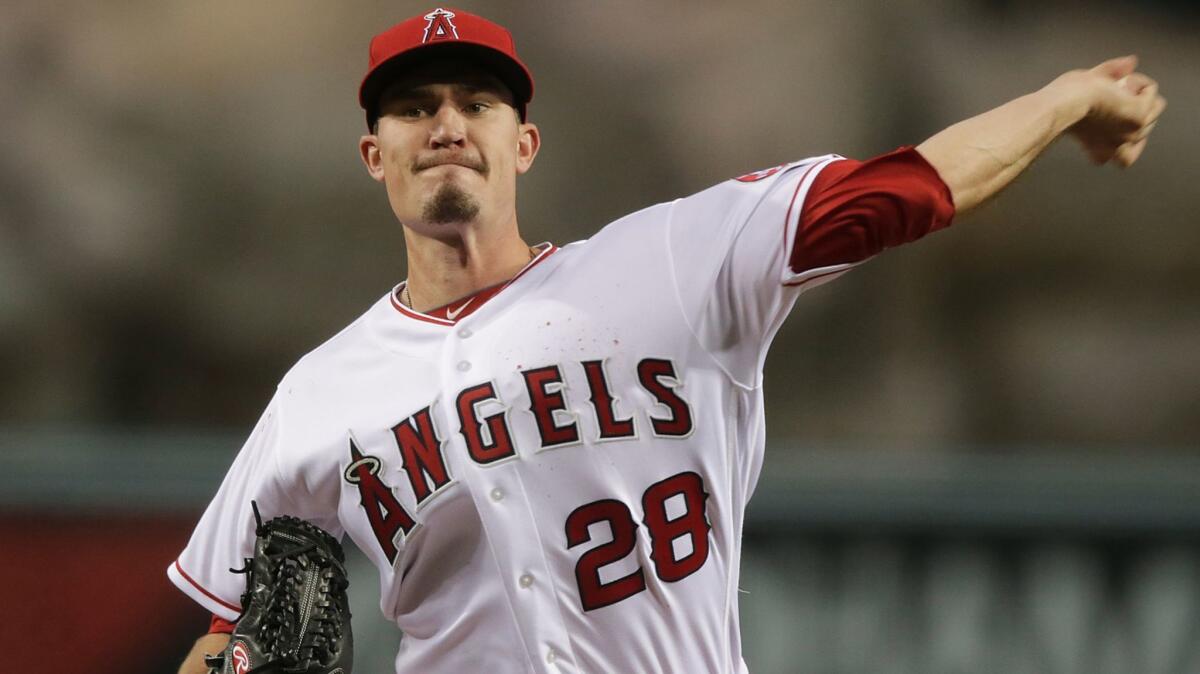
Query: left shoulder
x=782 y=169
x=735 y=200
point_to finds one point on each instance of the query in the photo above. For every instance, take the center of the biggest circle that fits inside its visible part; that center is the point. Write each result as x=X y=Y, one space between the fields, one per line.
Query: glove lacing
x=282 y=626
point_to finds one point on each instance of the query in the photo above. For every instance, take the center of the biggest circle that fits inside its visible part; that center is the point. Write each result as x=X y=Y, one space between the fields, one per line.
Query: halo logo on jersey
x=241 y=658
x=440 y=27
x=387 y=517
x=759 y=175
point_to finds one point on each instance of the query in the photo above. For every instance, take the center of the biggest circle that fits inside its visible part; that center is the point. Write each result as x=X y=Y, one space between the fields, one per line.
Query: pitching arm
x=1110 y=109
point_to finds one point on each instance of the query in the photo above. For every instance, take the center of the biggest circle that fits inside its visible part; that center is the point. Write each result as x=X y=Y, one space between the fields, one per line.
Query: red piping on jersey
x=417 y=315
x=399 y=306
x=206 y=593
x=787 y=218
x=815 y=277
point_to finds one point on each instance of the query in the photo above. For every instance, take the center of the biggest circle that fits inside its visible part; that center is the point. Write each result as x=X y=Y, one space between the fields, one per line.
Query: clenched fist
x=1123 y=107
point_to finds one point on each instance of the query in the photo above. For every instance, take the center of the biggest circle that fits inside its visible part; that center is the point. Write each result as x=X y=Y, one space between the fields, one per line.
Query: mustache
x=475 y=163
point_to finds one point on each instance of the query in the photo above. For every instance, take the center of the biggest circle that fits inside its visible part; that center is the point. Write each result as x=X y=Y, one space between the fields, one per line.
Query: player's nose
x=449 y=127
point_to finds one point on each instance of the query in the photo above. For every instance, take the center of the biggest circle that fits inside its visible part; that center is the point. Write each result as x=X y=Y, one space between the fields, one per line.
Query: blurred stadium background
x=984 y=449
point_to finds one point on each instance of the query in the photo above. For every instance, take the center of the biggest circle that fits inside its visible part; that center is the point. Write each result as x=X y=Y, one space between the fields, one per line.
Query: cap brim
x=507 y=70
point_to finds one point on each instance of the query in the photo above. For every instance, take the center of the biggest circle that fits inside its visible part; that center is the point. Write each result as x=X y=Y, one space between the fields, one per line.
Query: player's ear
x=529 y=139
x=372 y=155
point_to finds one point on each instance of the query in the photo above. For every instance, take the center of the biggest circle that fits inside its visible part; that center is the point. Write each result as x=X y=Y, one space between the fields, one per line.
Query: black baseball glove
x=295 y=615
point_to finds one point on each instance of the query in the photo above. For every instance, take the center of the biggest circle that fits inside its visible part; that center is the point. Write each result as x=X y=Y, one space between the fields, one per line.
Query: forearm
x=978 y=157
x=205 y=645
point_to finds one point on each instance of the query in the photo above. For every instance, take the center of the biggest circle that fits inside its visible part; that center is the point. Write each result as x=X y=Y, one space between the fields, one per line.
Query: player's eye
x=413 y=112
x=477 y=107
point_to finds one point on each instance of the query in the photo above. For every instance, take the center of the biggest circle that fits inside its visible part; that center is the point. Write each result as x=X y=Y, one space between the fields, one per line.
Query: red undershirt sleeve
x=856 y=209
x=220 y=626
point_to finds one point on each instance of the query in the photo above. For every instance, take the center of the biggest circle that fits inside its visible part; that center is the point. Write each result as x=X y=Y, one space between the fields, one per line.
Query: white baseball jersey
x=556 y=481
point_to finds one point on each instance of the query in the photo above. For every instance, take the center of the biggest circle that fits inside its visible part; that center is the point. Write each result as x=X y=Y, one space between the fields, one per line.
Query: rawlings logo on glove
x=295 y=614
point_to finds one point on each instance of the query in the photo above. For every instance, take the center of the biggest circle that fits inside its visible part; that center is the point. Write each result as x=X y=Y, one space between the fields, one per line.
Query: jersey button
x=497 y=494
x=551 y=656
x=525 y=580
x=464 y=333
x=464 y=365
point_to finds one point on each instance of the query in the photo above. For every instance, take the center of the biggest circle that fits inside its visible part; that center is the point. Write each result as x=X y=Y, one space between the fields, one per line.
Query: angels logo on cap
x=440 y=27
x=428 y=36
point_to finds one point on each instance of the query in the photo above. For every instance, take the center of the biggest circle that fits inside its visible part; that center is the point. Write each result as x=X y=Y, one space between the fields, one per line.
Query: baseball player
x=547 y=451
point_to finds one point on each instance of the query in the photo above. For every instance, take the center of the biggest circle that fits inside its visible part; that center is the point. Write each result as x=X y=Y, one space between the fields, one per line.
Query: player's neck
x=443 y=270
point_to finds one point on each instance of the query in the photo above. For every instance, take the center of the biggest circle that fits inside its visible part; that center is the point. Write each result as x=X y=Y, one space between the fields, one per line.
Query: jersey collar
x=459 y=309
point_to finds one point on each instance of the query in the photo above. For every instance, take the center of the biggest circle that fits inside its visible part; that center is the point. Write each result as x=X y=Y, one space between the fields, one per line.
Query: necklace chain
x=406 y=297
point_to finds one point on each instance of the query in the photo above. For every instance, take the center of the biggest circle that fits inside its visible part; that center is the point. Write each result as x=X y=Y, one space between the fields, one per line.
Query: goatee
x=450 y=204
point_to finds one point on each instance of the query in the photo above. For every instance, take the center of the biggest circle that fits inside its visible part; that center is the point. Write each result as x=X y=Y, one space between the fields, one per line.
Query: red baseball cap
x=428 y=36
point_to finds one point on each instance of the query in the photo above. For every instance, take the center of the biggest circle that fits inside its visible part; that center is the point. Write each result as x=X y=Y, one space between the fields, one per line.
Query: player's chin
x=435 y=180
x=450 y=203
